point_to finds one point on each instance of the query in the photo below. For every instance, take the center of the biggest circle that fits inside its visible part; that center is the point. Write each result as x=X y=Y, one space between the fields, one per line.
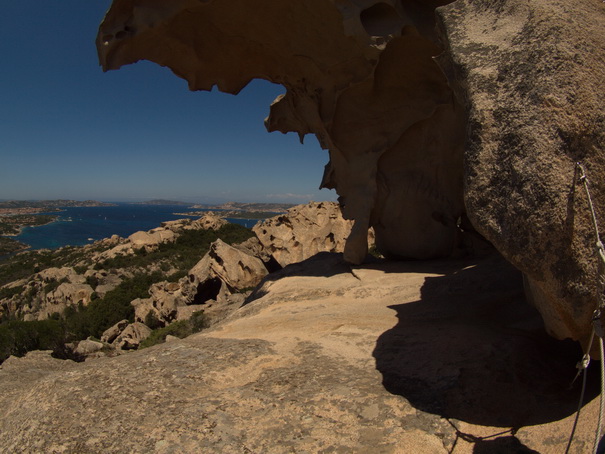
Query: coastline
x=20 y=227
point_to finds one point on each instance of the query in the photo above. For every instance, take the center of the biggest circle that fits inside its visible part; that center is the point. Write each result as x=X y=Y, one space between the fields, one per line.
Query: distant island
x=17 y=206
x=161 y=202
x=274 y=208
x=237 y=210
x=17 y=214
x=234 y=214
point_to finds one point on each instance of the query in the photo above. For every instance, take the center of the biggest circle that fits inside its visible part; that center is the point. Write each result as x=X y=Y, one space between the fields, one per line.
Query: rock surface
x=494 y=130
x=438 y=357
x=534 y=108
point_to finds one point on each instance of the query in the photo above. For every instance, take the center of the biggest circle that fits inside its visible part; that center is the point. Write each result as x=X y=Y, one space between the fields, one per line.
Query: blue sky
x=68 y=130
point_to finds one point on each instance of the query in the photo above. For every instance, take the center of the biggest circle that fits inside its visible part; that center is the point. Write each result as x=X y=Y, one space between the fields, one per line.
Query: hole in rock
x=207 y=290
x=381 y=20
x=272 y=265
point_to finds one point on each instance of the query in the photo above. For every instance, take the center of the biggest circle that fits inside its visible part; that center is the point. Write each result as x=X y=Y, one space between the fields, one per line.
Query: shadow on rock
x=502 y=445
x=472 y=349
x=322 y=264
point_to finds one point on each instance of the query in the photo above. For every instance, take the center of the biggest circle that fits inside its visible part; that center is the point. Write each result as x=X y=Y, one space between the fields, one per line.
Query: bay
x=78 y=226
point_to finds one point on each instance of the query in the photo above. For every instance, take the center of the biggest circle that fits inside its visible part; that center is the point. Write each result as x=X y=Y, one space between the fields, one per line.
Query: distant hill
x=52 y=203
x=237 y=206
x=162 y=202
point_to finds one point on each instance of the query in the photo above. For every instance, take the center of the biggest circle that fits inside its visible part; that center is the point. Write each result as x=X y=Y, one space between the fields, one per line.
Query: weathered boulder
x=534 y=108
x=110 y=334
x=151 y=238
x=65 y=274
x=163 y=302
x=304 y=231
x=224 y=270
x=492 y=129
x=87 y=346
x=210 y=221
x=63 y=296
x=131 y=336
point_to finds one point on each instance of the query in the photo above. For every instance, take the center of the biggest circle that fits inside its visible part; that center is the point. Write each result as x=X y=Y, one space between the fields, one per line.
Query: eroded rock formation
x=498 y=126
x=304 y=231
x=374 y=97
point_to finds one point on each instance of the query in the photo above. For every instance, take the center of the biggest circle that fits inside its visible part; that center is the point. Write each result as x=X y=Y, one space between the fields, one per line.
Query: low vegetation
x=9 y=246
x=179 y=329
x=181 y=254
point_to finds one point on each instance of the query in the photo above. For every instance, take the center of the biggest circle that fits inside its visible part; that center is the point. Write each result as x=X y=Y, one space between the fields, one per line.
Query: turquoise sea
x=83 y=225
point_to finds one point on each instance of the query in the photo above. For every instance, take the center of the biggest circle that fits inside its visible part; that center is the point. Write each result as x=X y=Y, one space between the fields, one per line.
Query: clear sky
x=68 y=130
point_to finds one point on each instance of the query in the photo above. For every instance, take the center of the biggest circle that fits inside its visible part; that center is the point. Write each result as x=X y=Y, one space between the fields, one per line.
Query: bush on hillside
x=18 y=337
x=180 y=329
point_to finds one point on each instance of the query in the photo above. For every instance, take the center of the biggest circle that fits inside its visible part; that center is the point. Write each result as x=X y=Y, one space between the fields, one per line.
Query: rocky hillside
x=436 y=357
x=119 y=293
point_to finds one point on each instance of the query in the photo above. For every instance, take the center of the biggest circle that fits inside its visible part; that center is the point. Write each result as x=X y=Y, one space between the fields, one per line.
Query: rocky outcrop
x=163 y=302
x=132 y=336
x=223 y=271
x=374 y=97
x=304 y=231
x=126 y=336
x=427 y=358
x=111 y=334
x=216 y=285
x=151 y=238
x=484 y=115
x=63 y=296
x=211 y=221
x=105 y=281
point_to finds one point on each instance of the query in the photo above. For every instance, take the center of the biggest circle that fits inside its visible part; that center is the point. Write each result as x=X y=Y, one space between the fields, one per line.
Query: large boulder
x=64 y=296
x=210 y=221
x=132 y=336
x=111 y=334
x=483 y=116
x=532 y=86
x=152 y=238
x=304 y=231
x=224 y=270
x=163 y=302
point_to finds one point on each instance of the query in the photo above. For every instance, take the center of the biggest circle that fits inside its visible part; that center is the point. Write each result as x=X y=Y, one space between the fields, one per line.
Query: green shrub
x=6 y=293
x=80 y=269
x=180 y=329
x=18 y=337
x=102 y=313
x=93 y=281
x=152 y=321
